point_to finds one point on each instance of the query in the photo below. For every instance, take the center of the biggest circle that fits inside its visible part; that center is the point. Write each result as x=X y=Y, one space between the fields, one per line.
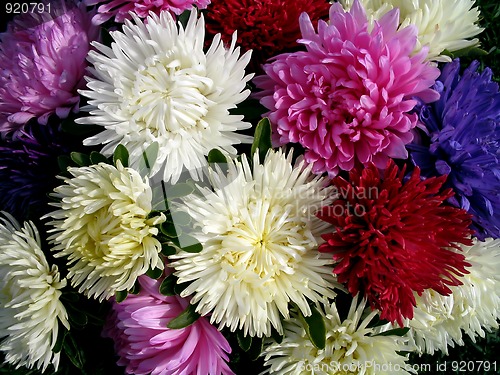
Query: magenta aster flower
x=42 y=61
x=120 y=8
x=145 y=345
x=347 y=98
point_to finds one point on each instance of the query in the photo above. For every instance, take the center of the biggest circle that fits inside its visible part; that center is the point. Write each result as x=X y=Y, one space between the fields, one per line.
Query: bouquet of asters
x=246 y=187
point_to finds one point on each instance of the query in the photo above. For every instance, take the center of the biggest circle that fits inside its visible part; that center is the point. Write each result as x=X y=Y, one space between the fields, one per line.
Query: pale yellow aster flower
x=351 y=347
x=260 y=235
x=442 y=24
x=102 y=226
x=30 y=308
x=472 y=308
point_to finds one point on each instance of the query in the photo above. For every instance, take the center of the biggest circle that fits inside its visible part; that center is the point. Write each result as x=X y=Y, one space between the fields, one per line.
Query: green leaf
x=179 y=287
x=216 y=156
x=181 y=218
x=154 y=273
x=64 y=161
x=245 y=342
x=395 y=332
x=136 y=289
x=82 y=160
x=314 y=325
x=121 y=153
x=472 y=51
x=70 y=297
x=121 y=295
x=276 y=336
x=185 y=318
x=96 y=158
x=77 y=317
x=256 y=348
x=61 y=336
x=153 y=213
x=188 y=243
x=377 y=322
x=262 y=138
x=168 y=229
x=179 y=190
x=184 y=18
x=167 y=286
x=149 y=157
x=75 y=355
x=194 y=248
x=167 y=249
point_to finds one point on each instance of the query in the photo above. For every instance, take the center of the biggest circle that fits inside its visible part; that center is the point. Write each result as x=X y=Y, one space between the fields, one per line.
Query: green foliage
x=121 y=153
x=167 y=286
x=216 y=156
x=262 y=138
x=489 y=38
x=185 y=318
x=154 y=273
x=148 y=157
x=314 y=325
x=244 y=341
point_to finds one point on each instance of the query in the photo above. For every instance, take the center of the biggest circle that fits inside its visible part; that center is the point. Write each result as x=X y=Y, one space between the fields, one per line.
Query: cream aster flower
x=442 y=24
x=351 y=347
x=102 y=226
x=30 y=309
x=156 y=84
x=472 y=308
x=260 y=237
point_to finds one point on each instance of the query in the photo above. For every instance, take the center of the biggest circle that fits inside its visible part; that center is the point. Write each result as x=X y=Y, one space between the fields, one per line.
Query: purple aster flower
x=42 y=63
x=28 y=166
x=461 y=139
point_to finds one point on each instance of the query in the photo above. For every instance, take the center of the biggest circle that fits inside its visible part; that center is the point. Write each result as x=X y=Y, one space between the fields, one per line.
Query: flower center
x=169 y=94
x=265 y=243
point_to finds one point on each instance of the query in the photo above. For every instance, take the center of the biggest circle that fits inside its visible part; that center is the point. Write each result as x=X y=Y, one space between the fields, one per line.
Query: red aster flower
x=394 y=237
x=265 y=26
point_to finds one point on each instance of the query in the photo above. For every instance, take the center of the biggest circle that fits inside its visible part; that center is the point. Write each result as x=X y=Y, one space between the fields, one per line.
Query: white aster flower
x=102 y=226
x=30 y=309
x=472 y=308
x=351 y=347
x=442 y=24
x=260 y=237
x=156 y=84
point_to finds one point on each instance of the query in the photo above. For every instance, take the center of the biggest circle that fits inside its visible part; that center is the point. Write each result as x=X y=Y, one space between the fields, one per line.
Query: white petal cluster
x=102 y=226
x=351 y=347
x=30 y=308
x=442 y=24
x=157 y=84
x=260 y=235
x=440 y=321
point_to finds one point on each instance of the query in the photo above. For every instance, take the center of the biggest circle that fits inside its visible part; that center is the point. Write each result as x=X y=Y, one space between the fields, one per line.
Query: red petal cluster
x=394 y=237
x=265 y=26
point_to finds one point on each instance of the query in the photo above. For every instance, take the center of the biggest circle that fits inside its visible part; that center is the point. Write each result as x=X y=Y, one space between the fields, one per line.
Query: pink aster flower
x=42 y=63
x=347 y=98
x=120 y=8
x=145 y=345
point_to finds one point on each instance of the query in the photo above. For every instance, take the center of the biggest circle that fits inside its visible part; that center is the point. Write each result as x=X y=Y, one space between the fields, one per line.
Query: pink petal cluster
x=145 y=345
x=347 y=98
x=120 y=8
x=43 y=62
